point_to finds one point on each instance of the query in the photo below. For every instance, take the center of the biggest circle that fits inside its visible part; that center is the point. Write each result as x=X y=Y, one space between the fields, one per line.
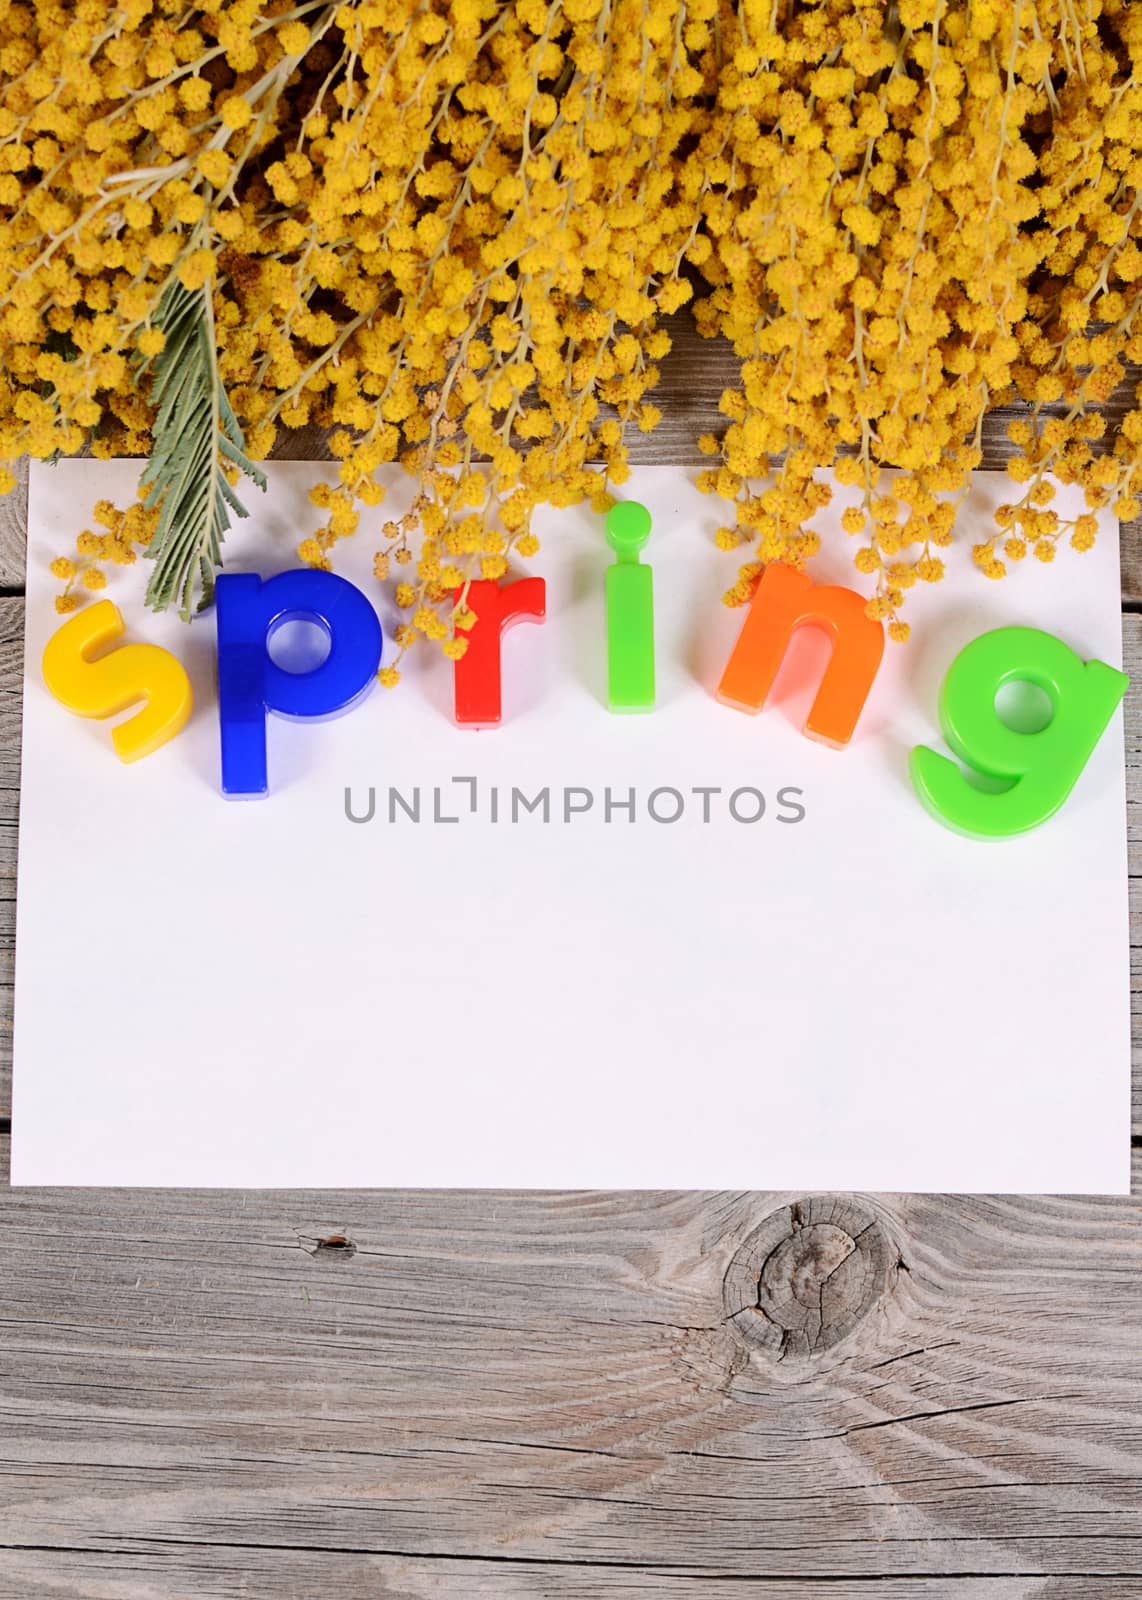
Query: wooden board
x=693 y=378
x=326 y=1575
x=564 y=1395
x=519 y=1396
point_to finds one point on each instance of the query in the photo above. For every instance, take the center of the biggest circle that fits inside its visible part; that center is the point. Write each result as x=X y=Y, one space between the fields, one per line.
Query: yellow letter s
x=100 y=688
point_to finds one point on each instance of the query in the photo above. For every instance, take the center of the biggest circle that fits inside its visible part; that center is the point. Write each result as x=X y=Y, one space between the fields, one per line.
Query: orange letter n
x=786 y=599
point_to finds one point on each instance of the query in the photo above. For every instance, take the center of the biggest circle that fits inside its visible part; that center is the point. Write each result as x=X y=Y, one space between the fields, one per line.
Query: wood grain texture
x=14 y=529
x=541 y=1395
x=215 y=1575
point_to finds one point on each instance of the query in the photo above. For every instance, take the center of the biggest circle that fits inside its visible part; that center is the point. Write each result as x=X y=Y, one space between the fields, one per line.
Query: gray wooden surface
x=748 y=1396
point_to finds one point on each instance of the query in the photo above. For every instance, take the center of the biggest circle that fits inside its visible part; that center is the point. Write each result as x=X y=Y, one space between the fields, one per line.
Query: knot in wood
x=332 y=1244
x=803 y=1280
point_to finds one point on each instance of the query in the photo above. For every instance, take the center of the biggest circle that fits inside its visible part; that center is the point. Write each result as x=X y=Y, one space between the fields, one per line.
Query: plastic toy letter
x=786 y=599
x=100 y=688
x=630 y=611
x=1042 y=767
x=476 y=678
x=250 y=683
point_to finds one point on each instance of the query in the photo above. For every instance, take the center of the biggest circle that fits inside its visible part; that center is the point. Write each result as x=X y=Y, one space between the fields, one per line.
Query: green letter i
x=630 y=611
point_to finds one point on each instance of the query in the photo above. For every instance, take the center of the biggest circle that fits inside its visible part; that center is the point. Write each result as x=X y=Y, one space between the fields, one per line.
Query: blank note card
x=684 y=949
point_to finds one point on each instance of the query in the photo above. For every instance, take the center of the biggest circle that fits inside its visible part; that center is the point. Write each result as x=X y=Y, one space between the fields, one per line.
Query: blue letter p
x=250 y=683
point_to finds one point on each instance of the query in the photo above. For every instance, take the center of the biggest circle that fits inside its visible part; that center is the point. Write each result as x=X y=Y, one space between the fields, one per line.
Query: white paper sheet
x=268 y=993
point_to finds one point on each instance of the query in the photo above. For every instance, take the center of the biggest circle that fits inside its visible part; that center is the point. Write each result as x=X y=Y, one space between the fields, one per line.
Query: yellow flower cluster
x=121 y=534
x=918 y=212
x=444 y=231
x=448 y=232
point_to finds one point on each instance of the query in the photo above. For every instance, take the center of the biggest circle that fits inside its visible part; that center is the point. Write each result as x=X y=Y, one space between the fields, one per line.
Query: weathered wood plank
x=211 y=1573
x=693 y=378
x=1131 y=547
x=14 y=529
x=215 y=1574
x=547 y=1391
